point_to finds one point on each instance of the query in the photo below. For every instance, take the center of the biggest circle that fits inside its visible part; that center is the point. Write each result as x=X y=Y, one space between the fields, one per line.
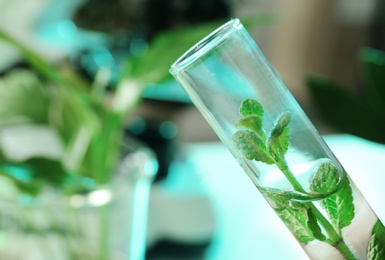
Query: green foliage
x=373 y=76
x=168 y=46
x=251 y=107
x=18 y=88
x=61 y=100
x=297 y=220
x=252 y=142
x=298 y=217
x=253 y=123
x=376 y=250
x=42 y=66
x=348 y=112
x=313 y=225
x=251 y=146
x=279 y=138
x=23 y=183
x=88 y=122
x=339 y=206
x=252 y=117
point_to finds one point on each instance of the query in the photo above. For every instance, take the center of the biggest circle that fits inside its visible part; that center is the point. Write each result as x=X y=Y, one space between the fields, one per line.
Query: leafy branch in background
x=50 y=96
x=88 y=119
x=363 y=116
x=168 y=46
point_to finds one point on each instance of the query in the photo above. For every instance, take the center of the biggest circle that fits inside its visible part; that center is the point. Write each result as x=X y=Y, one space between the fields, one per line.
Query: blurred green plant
x=360 y=115
x=167 y=46
x=87 y=119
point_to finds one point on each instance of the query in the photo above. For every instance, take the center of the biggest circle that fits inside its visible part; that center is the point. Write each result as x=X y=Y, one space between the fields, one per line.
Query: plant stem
x=336 y=240
x=333 y=235
x=103 y=214
x=282 y=165
x=345 y=250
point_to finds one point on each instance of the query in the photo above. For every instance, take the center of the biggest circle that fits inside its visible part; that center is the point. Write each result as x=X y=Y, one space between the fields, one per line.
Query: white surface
x=23 y=141
x=246 y=226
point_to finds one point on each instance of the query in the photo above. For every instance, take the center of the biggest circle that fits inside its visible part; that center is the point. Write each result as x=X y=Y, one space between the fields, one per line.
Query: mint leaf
x=277 y=202
x=376 y=249
x=253 y=123
x=296 y=219
x=313 y=225
x=251 y=107
x=339 y=206
x=279 y=138
x=293 y=214
x=251 y=146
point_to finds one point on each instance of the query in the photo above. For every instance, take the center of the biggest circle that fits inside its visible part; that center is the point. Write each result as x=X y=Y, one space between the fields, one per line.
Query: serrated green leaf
x=313 y=225
x=251 y=107
x=339 y=206
x=294 y=215
x=297 y=221
x=277 y=202
x=376 y=249
x=279 y=138
x=253 y=123
x=251 y=146
x=298 y=217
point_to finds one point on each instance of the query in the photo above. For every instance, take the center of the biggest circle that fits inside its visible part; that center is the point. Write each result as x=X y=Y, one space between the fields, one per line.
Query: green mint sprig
x=304 y=219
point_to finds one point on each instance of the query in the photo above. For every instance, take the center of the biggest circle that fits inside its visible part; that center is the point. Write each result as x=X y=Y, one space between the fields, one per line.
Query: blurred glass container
x=256 y=117
x=106 y=222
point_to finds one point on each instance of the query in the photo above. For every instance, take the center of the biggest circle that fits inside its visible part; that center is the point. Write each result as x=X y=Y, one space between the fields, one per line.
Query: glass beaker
x=259 y=121
x=100 y=223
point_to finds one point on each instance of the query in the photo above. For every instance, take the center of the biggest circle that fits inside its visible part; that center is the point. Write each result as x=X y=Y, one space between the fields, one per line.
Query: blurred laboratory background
x=114 y=55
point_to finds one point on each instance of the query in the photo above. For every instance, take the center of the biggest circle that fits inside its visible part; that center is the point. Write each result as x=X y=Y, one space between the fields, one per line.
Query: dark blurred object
x=109 y=16
x=361 y=115
x=165 y=14
x=133 y=26
x=166 y=250
x=149 y=16
x=377 y=28
x=160 y=136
